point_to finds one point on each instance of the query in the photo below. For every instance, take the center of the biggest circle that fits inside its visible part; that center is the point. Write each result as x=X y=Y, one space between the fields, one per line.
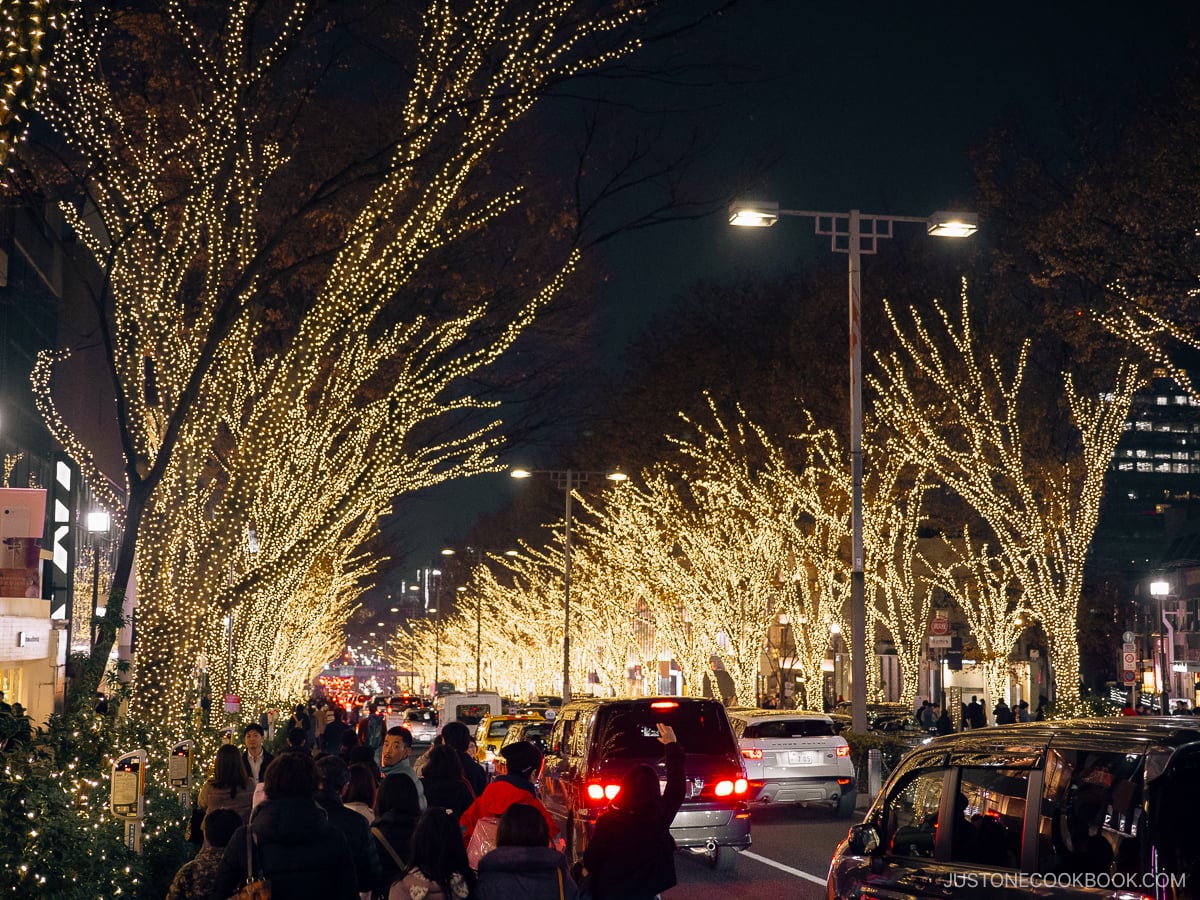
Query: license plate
x=801 y=758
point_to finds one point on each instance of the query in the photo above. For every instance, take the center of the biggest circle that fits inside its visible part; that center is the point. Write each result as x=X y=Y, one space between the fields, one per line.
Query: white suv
x=794 y=757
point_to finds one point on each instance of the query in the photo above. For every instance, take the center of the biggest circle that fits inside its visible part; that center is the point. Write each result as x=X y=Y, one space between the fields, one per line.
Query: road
x=788 y=860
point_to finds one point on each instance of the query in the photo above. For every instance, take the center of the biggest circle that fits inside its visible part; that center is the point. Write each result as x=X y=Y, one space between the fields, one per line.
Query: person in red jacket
x=524 y=764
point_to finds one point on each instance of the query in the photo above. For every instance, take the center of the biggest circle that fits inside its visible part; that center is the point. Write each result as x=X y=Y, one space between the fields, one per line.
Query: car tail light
x=843 y=751
x=727 y=787
x=599 y=792
x=752 y=753
x=843 y=781
x=664 y=704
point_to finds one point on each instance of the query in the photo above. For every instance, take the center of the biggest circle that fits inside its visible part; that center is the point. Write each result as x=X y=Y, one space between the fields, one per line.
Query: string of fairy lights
x=28 y=29
x=287 y=449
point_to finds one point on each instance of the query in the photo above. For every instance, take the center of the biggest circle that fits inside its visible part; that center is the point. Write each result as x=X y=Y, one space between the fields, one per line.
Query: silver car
x=796 y=758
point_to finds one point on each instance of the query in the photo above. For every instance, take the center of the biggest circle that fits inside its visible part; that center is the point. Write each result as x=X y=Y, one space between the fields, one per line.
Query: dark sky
x=868 y=105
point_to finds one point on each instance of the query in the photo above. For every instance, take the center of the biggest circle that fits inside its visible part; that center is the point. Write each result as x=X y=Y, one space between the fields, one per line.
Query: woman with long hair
x=444 y=782
x=230 y=786
x=360 y=792
x=397 y=809
x=439 y=869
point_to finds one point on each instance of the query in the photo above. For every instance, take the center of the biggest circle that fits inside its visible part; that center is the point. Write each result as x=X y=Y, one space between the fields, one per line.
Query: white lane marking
x=778 y=865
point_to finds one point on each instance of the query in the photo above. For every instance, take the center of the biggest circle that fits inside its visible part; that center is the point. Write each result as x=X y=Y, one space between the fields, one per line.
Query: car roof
x=1145 y=731
x=751 y=714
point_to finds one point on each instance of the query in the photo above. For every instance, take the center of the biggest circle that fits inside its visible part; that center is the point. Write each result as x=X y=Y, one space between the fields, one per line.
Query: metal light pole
x=567 y=480
x=97 y=525
x=1160 y=589
x=854 y=234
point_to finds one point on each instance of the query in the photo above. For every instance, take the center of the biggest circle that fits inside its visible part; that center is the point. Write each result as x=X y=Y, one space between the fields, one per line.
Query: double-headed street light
x=567 y=480
x=854 y=233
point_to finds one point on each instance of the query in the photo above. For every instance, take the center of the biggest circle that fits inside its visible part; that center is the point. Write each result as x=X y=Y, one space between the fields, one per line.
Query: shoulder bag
x=483 y=840
x=254 y=888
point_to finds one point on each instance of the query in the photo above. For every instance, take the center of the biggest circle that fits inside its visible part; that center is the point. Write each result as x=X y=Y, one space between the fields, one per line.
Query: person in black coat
x=397 y=809
x=254 y=757
x=458 y=736
x=523 y=864
x=444 y=783
x=295 y=847
x=631 y=855
x=335 y=775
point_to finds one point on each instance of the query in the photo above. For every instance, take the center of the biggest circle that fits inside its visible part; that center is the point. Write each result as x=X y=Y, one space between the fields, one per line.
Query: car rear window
x=498 y=729
x=472 y=713
x=790 y=728
x=631 y=731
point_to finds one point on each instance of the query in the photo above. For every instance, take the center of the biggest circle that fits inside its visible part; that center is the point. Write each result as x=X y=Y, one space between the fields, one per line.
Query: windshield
x=790 y=728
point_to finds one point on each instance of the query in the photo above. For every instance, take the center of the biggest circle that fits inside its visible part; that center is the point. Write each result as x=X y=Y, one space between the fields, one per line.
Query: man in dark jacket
x=458 y=736
x=254 y=757
x=335 y=775
x=295 y=847
x=976 y=718
x=631 y=855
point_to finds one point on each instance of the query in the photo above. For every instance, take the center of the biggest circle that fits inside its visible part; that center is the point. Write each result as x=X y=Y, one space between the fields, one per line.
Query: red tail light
x=843 y=751
x=752 y=753
x=728 y=787
x=599 y=793
x=664 y=704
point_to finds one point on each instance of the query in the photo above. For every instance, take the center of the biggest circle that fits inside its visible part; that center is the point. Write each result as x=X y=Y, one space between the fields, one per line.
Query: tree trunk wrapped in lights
x=968 y=433
x=224 y=431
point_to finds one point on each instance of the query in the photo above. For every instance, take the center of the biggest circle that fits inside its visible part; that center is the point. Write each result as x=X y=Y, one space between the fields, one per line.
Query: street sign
x=1130 y=677
x=1129 y=659
x=940 y=641
x=1129 y=637
x=940 y=625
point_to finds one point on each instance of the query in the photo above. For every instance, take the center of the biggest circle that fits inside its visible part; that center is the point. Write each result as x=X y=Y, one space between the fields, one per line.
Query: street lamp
x=567 y=480
x=1161 y=589
x=854 y=234
x=97 y=524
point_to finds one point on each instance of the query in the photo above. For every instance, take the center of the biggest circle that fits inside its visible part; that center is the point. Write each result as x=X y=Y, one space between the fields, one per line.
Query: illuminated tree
x=898 y=575
x=301 y=445
x=961 y=417
x=987 y=591
x=28 y=28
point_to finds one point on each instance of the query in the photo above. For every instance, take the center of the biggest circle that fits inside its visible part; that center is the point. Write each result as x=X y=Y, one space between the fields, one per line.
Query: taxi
x=489 y=735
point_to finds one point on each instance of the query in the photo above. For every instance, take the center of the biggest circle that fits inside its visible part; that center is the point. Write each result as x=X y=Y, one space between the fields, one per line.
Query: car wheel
x=723 y=859
x=846 y=805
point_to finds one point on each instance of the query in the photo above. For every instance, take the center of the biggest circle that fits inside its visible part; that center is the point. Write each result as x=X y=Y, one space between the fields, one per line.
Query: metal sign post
x=127 y=799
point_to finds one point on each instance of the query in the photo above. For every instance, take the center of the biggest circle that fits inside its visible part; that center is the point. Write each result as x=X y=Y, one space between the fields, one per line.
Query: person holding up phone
x=631 y=855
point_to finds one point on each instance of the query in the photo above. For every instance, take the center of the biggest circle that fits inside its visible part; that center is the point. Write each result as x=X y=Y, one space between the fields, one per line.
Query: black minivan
x=595 y=742
x=1089 y=808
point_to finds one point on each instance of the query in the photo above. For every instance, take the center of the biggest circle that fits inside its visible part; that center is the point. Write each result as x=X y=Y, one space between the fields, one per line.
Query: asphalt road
x=788 y=860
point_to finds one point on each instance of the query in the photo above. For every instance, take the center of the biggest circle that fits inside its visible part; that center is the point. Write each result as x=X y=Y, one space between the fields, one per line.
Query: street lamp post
x=567 y=480
x=97 y=524
x=854 y=234
x=1160 y=589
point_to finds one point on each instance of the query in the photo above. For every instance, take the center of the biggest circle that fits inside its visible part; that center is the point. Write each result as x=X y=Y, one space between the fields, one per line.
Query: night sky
x=868 y=105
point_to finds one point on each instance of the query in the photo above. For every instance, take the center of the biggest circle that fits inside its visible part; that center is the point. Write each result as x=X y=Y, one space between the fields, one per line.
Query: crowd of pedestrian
x=328 y=817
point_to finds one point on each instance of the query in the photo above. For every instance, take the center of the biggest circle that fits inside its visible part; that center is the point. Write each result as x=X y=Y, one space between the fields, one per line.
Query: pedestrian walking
x=517 y=786
x=524 y=864
x=394 y=757
x=360 y=792
x=334 y=777
x=230 y=786
x=254 y=757
x=294 y=846
x=1003 y=714
x=458 y=736
x=944 y=724
x=444 y=782
x=196 y=878
x=396 y=815
x=439 y=868
x=631 y=855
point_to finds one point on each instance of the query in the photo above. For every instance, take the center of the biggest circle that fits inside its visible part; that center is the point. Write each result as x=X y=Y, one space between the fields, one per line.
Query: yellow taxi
x=489 y=735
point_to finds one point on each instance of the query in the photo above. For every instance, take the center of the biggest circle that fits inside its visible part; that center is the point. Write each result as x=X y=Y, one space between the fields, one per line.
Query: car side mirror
x=863 y=840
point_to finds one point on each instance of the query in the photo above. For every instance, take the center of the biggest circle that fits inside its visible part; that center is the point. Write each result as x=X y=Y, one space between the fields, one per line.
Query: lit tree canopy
x=298 y=445
x=965 y=424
